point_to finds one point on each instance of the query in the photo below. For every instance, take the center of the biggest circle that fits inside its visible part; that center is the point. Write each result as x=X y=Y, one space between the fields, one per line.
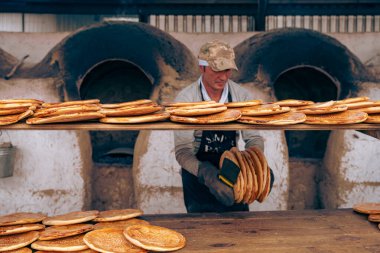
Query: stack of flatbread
x=363 y=104
x=65 y=232
x=253 y=182
x=204 y=112
x=138 y=111
x=70 y=111
x=372 y=209
x=19 y=230
x=14 y=110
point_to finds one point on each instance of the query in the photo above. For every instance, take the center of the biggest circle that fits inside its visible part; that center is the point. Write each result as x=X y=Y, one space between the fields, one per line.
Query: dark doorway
x=306 y=83
x=112 y=82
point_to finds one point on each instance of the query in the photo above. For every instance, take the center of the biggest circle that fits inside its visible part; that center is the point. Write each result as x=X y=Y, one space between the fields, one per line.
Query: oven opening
x=306 y=83
x=112 y=82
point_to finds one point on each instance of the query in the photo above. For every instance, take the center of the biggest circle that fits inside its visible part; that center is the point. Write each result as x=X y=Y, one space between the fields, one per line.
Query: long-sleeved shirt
x=187 y=142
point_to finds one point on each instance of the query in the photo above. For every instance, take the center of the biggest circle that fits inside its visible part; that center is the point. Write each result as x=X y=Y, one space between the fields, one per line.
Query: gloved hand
x=208 y=175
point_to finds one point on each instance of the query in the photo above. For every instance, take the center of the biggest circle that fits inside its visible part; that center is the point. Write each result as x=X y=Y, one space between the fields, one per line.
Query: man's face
x=215 y=80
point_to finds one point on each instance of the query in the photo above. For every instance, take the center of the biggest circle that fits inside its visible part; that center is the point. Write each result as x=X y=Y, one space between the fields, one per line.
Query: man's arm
x=185 y=152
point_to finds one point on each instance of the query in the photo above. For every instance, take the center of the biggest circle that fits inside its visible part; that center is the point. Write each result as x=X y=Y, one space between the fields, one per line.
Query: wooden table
x=276 y=231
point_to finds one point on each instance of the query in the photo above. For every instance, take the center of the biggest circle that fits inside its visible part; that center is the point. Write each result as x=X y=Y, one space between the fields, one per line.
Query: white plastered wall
x=52 y=168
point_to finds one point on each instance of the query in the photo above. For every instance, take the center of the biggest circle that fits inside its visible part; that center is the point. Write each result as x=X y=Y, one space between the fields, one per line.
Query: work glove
x=208 y=175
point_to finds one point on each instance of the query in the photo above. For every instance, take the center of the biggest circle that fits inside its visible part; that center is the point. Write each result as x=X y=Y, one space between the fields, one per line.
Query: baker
x=198 y=152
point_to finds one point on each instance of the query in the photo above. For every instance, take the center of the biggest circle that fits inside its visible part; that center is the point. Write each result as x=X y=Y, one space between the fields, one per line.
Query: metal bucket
x=7 y=155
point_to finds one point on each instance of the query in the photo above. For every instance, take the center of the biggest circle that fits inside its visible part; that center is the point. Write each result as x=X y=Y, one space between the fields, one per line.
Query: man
x=198 y=152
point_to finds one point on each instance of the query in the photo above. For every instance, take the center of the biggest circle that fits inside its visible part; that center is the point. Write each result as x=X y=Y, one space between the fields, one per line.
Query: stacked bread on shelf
x=14 y=110
x=85 y=231
x=372 y=209
x=71 y=111
x=205 y=112
x=255 y=112
x=138 y=111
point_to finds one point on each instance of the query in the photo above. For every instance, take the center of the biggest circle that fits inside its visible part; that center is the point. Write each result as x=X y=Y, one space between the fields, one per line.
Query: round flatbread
x=323 y=110
x=130 y=111
x=17 y=105
x=5 y=112
x=252 y=188
x=71 y=218
x=21 y=218
x=266 y=191
x=197 y=111
x=120 y=224
x=136 y=119
x=130 y=103
x=178 y=104
x=287 y=118
x=373 y=118
x=243 y=103
x=16 y=229
x=359 y=105
x=242 y=174
x=261 y=166
x=72 y=243
x=73 y=117
x=222 y=117
x=370 y=110
x=54 y=111
x=11 y=119
x=293 y=102
x=367 y=208
x=110 y=240
x=77 y=251
x=21 y=250
x=202 y=106
x=352 y=100
x=17 y=241
x=374 y=217
x=20 y=100
x=56 y=232
x=116 y=215
x=154 y=238
x=346 y=117
x=259 y=173
x=68 y=103
x=263 y=110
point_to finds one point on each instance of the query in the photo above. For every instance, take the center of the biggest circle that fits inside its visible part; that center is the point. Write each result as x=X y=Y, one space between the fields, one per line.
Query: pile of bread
x=254 y=178
x=372 y=209
x=85 y=231
x=284 y=112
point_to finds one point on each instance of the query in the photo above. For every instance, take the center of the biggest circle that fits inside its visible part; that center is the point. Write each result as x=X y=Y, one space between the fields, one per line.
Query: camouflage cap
x=218 y=55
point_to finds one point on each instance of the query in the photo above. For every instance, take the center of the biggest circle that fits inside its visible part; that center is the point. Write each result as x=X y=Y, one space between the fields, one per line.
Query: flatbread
x=261 y=163
x=16 y=229
x=21 y=250
x=242 y=175
x=17 y=105
x=74 y=117
x=263 y=110
x=374 y=217
x=130 y=111
x=136 y=119
x=251 y=179
x=116 y=215
x=21 y=218
x=259 y=173
x=56 y=232
x=373 y=118
x=367 y=208
x=370 y=110
x=352 y=100
x=130 y=103
x=293 y=102
x=201 y=106
x=287 y=118
x=346 y=117
x=20 y=100
x=266 y=191
x=197 y=111
x=53 y=111
x=120 y=224
x=68 y=103
x=222 y=117
x=4 y=112
x=17 y=241
x=359 y=105
x=11 y=119
x=71 y=218
x=323 y=110
x=72 y=243
x=154 y=238
x=77 y=251
x=110 y=240
x=243 y=103
x=177 y=104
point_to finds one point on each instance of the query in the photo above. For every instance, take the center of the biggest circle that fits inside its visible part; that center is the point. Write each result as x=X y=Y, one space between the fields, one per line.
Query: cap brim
x=227 y=64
